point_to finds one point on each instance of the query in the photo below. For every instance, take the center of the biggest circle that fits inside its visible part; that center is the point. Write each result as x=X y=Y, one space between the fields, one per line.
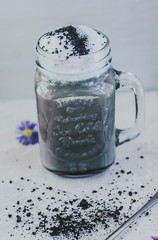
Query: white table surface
x=18 y=161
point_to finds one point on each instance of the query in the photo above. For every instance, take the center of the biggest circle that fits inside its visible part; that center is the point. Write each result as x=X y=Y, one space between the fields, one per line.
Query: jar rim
x=76 y=65
x=42 y=52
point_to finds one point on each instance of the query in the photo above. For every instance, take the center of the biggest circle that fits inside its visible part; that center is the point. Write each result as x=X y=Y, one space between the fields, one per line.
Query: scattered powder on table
x=73 y=219
x=69 y=216
x=51 y=212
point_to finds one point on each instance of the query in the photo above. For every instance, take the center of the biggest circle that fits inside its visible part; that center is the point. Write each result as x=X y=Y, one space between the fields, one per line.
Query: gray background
x=131 y=25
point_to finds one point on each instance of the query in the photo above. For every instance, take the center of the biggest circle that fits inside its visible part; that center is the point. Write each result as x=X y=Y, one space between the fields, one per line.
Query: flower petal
x=27 y=123
x=21 y=128
x=23 y=140
x=32 y=125
x=35 y=137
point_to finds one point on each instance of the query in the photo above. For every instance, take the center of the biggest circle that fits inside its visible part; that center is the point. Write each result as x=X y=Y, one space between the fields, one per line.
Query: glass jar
x=76 y=111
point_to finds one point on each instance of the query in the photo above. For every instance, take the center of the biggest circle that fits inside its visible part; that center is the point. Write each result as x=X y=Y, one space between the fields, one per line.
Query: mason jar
x=75 y=98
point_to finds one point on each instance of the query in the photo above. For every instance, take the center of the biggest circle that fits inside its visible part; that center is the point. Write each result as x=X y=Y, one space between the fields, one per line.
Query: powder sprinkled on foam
x=71 y=41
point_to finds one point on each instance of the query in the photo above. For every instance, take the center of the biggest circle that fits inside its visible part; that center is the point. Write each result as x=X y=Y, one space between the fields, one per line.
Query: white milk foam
x=77 y=50
x=61 y=43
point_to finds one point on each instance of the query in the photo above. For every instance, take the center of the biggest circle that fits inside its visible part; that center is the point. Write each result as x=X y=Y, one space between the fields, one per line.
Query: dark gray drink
x=76 y=130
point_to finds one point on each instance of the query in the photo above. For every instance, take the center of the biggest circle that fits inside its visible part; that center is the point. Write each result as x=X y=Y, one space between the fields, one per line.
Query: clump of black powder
x=69 y=36
x=71 y=217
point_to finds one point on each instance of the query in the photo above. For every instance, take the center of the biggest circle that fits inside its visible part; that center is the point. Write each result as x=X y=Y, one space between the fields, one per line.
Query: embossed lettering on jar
x=75 y=91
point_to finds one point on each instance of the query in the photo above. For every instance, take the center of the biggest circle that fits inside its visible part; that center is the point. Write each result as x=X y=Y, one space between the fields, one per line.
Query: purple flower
x=27 y=133
x=154 y=238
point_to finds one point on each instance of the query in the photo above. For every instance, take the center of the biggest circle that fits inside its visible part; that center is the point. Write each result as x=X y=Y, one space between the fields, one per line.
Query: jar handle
x=129 y=80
